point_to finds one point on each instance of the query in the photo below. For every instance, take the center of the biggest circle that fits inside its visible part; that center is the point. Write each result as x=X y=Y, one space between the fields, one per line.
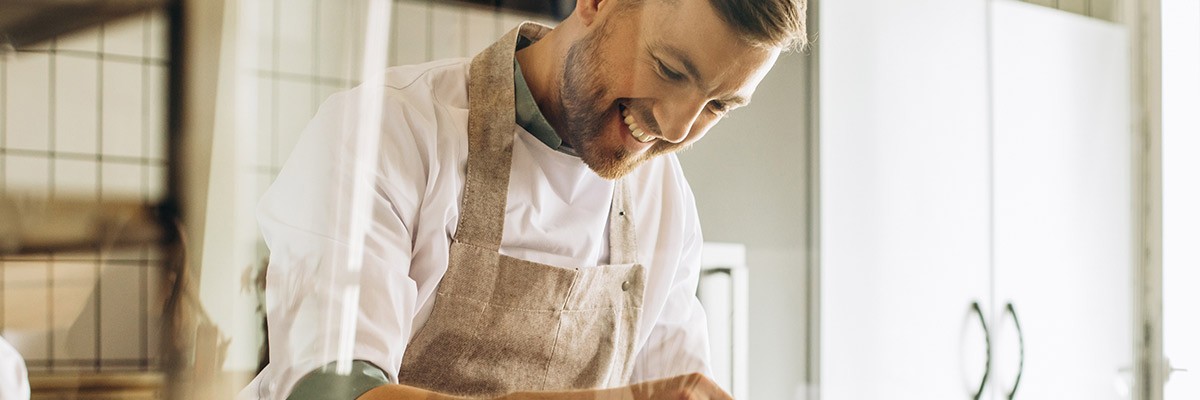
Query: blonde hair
x=766 y=23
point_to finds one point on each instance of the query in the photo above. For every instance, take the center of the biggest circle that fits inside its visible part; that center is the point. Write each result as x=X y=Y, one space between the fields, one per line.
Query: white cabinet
x=1064 y=244
x=973 y=152
x=1181 y=194
x=904 y=198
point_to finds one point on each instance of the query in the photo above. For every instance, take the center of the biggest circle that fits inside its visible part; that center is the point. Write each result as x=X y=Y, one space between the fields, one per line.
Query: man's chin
x=609 y=171
x=613 y=166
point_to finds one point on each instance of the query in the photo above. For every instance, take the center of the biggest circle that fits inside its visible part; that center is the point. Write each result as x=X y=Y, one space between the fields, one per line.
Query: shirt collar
x=529 y=115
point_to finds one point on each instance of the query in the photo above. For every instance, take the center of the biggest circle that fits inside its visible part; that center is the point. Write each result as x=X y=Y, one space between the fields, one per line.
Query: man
x=530 y=235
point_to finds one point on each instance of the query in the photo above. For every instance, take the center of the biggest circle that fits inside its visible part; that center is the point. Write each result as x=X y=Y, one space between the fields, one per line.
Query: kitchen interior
x=944 y=199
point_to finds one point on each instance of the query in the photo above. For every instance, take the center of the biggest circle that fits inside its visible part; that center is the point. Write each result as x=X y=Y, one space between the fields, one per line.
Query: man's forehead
x=711 y=69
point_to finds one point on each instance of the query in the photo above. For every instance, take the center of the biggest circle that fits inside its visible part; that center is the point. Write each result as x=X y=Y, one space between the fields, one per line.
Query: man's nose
x=678 y=117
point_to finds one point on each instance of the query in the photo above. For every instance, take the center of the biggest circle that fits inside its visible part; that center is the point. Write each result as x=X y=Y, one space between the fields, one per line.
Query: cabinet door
x=1063 y=203
x=904 y=198
x=1181 y=194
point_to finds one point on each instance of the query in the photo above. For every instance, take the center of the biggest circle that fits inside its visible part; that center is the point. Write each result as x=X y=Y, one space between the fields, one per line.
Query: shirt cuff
x=326 y=384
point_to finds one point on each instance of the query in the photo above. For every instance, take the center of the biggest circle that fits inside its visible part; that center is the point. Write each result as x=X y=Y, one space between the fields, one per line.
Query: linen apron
x=501 y=324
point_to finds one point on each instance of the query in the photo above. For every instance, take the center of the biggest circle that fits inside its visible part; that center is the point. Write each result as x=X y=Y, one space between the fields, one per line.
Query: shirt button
x=625 y=286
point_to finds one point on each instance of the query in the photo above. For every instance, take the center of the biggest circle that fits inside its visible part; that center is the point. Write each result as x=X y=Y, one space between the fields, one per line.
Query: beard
x=587 y=108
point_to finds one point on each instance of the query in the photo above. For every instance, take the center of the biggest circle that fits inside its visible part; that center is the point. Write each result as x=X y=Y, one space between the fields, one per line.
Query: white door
x=904 y=198
x=1063 y=204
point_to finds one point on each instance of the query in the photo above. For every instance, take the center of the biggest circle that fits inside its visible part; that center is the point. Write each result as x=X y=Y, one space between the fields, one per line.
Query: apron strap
x=490 y=119
x=490 y=133
x=622 y=238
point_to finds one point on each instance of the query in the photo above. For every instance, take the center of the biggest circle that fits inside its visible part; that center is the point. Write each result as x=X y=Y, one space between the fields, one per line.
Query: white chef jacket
x=557 y=214
x=14 y=378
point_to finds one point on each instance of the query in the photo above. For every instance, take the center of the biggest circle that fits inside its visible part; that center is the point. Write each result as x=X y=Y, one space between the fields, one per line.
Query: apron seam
x=558 y=331
x=508 y=308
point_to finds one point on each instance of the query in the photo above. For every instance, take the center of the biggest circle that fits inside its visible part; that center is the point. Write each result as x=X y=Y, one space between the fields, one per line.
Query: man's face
x=652 y=79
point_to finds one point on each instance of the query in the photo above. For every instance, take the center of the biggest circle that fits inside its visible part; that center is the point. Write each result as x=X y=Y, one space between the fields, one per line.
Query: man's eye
x=669 y=73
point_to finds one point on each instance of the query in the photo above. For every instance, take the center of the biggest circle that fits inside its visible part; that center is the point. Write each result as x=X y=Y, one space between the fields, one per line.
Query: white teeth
x=634 y=128
x=642 y=137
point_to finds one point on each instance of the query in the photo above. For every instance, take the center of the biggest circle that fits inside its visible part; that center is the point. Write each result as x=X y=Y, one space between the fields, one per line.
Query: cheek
x=641 y=81
x=701 y=128
x=640 y=76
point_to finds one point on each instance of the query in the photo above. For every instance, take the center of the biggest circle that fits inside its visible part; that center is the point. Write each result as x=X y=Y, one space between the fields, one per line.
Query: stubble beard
x=585 y=104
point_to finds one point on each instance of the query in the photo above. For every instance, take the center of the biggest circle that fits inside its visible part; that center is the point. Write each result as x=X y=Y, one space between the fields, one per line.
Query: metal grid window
x=83 y=117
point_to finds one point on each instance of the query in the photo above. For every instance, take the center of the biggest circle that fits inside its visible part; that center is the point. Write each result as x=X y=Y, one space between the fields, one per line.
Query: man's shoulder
x=443 y=81
x=423 y=110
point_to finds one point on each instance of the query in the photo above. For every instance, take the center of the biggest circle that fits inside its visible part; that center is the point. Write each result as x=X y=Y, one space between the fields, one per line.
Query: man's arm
x=401 y=392
x=693 y=386
x=306 y=216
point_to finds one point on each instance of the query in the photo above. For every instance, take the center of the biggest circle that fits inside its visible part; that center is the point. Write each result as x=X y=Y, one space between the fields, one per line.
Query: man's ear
x=587 y=9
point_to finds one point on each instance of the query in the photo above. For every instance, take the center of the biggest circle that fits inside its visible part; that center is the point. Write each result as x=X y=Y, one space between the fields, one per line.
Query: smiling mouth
x=634 y=129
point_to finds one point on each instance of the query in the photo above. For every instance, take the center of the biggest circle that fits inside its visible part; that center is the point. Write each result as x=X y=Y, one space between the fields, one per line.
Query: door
x=904 y=198
x=1064 y=234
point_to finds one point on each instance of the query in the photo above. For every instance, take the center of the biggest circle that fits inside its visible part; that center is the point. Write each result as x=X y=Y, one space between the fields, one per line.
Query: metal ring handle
x=987 y=339
x=1009 y=309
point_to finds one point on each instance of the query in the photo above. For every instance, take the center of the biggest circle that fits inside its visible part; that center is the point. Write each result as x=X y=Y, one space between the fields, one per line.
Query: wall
x=748 y=178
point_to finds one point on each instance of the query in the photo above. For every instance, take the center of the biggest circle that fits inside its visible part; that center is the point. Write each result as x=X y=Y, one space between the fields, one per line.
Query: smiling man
x=530 y=233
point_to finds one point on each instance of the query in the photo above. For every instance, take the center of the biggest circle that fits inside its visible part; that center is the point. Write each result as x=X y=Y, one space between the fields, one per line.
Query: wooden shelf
x=35 y=226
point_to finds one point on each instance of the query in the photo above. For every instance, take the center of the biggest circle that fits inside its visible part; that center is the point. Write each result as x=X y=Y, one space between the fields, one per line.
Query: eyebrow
x=678 y=54
x=681 y=56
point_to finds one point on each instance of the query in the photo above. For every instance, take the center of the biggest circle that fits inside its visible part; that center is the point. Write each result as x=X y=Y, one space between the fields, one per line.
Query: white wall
x=748 y=177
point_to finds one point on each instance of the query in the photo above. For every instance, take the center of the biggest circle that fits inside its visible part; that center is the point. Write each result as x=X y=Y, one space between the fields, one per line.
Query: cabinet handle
x=1009 y=309
x=987 y=340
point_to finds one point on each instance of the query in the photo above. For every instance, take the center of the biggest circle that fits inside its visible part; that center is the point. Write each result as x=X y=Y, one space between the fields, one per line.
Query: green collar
x=529 y=116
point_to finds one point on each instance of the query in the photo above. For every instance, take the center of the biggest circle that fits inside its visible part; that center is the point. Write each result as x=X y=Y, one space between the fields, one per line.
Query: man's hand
x=693 y=386
x=401 y=392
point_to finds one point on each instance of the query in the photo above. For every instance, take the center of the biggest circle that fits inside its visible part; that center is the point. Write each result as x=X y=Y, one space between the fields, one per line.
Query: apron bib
x=501 y=324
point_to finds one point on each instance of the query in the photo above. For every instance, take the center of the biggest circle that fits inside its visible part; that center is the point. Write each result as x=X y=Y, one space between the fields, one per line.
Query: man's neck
x=540 y=65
